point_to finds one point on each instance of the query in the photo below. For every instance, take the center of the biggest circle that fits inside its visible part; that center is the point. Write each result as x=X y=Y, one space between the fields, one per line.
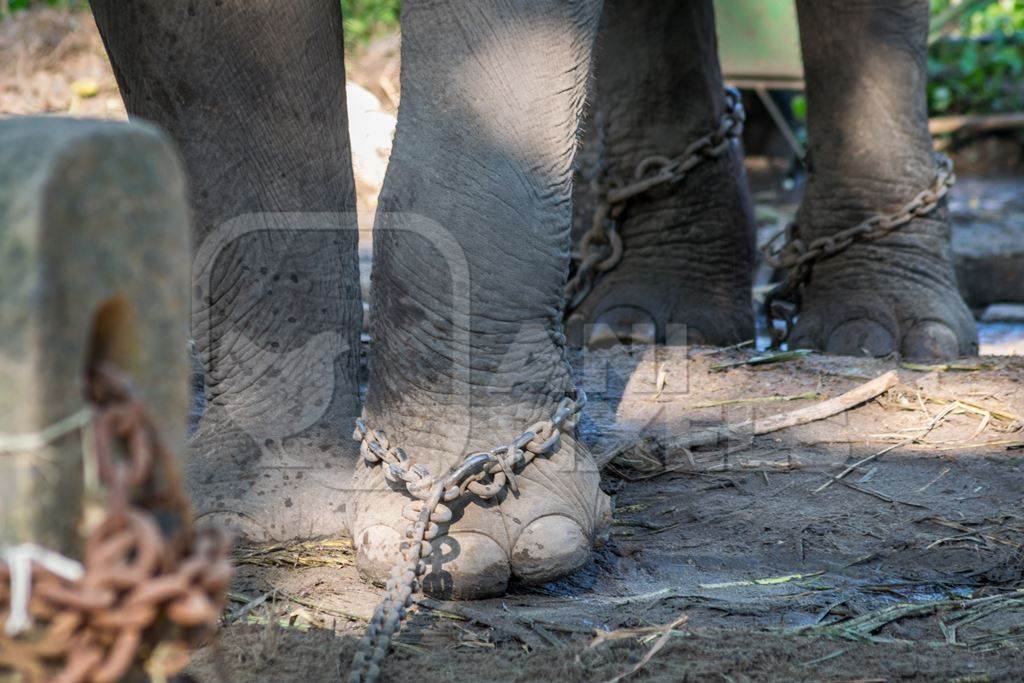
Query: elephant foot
x=468 y=276
x=642 y=306
x=543 y=532
x=897 y=296
x=685 y=273
x=270 y=489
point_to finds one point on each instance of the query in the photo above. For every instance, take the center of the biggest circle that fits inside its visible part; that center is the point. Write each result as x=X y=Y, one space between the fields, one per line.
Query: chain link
x=148 y=587
x=797 y=258
x=484 y=474
x=600 y=248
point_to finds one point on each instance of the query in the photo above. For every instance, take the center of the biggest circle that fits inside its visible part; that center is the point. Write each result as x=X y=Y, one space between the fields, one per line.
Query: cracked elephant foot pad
x=544 y=533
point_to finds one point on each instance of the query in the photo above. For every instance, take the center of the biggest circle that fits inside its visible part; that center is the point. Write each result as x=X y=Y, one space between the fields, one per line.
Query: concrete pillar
x=94 y=266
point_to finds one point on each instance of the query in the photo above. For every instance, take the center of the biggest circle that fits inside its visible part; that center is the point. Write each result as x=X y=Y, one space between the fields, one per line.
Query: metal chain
x=148 y=587
x=798 y=258
x=485 y=474
x=600 y=248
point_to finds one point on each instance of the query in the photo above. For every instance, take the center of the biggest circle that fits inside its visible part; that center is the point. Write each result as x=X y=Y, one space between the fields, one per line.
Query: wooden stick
x=793 y=418
x=940 y=125
x=906 y=442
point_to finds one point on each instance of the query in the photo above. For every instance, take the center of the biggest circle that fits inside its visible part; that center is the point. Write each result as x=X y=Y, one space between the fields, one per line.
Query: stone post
x=94 y=266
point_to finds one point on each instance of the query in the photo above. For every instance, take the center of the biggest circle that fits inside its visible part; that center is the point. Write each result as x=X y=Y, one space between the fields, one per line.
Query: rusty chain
x=149 y=586
x=797 y=258
x=600 y=249
x=485 y=474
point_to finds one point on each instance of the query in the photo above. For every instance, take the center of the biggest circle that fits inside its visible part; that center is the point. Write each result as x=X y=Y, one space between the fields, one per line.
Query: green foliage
x=984 y=18
x=365 y=19
x=799 y=106
x=976 y=75
x=978 y=66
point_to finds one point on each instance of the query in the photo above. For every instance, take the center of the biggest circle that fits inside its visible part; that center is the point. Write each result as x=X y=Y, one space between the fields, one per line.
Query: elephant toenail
x=695 y=337
x=802 y=342
x=602 y=520
x=377 y=549
x=931 y=340
x=574 y=330
x=549 y=547
x=622 y=325
x=861 y=337
x=466 y=566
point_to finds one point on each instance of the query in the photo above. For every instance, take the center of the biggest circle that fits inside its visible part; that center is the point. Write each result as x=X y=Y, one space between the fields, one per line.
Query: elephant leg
x=685 y=272
x=870 y=153
x=471 y=248
x=252 y=92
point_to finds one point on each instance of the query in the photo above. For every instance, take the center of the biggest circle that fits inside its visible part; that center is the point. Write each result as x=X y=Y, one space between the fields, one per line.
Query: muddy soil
x=908 y=568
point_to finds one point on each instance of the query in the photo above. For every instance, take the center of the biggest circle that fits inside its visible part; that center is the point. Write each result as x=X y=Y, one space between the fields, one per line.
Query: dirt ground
x=909 y=568
x=728 y=562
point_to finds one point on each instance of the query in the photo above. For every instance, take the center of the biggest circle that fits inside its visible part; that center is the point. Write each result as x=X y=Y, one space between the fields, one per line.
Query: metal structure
x=759 y=44
x=759 y=49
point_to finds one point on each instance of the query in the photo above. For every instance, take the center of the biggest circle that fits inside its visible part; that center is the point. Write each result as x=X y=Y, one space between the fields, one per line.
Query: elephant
x=472 y=243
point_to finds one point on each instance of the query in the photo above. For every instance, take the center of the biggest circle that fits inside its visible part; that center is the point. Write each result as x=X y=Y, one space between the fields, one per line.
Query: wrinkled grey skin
x=685 y=274
x=869 y=151
x=472 y=241
x=253 y=94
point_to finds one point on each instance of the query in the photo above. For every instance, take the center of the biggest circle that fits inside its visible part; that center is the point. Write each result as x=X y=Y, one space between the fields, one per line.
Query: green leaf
x=765 y=359
x=799 y=107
